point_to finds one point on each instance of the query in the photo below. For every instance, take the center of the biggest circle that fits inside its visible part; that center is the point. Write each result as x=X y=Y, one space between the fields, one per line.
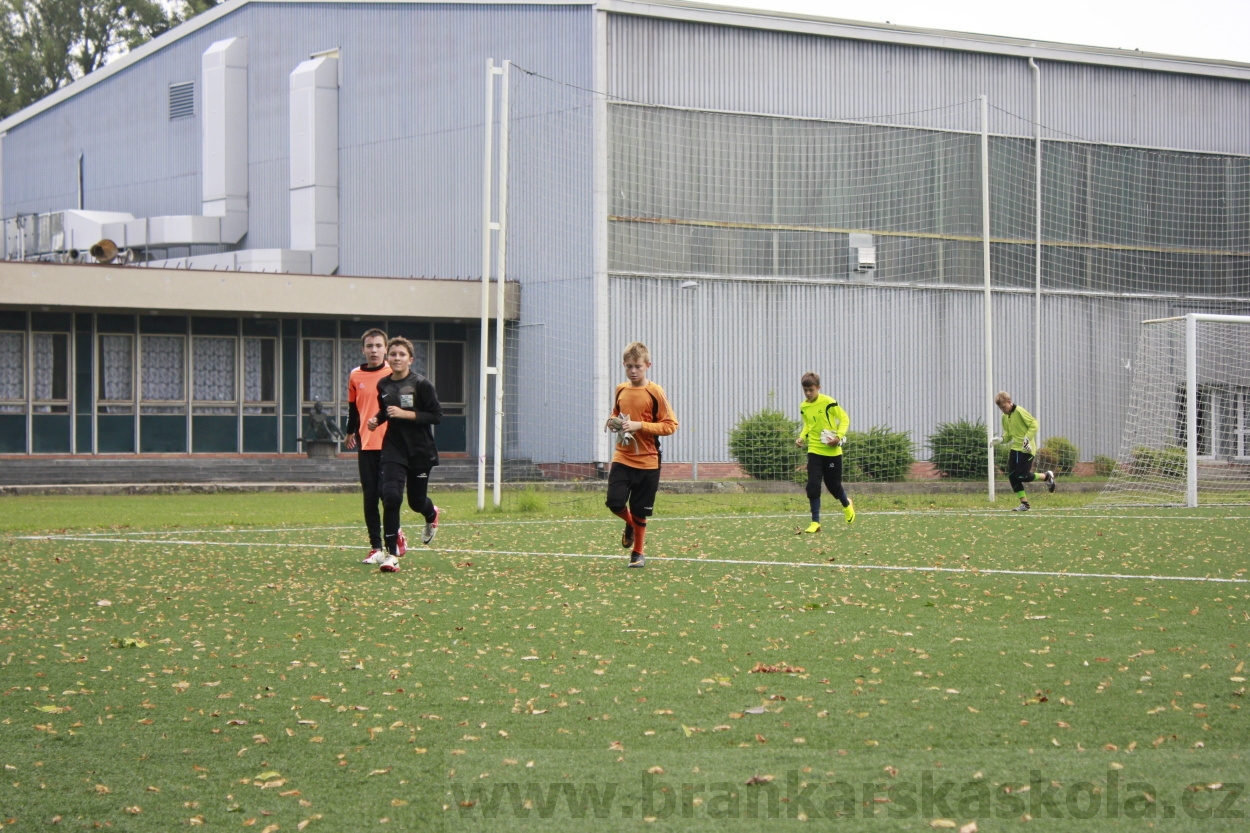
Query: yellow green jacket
x=824 y=414
x=1020 y=430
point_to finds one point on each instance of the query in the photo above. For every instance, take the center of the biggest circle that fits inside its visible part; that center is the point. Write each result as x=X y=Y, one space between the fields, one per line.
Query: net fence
x=746 y=250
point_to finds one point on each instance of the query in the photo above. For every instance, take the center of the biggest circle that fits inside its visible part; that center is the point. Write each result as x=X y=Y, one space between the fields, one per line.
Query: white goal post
x=1186 y=437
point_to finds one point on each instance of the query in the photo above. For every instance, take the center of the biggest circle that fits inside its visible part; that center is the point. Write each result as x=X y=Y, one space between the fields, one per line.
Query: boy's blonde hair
x=373 y=333
x=637 y=351
x=1002 y=397
x=405 y=343
x=810 y=378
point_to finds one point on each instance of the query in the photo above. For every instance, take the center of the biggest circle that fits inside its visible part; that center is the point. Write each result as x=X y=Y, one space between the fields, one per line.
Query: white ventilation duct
x=315 y=161
x=223 y=70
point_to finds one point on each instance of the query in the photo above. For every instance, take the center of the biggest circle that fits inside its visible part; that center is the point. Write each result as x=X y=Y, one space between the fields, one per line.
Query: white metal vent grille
x=181 y=100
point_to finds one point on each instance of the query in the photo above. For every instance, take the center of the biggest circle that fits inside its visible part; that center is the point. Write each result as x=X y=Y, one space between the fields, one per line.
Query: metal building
x=752 y=194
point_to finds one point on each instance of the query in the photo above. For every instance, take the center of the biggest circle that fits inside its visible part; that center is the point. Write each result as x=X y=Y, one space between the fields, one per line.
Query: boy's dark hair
x=373 y=332
x=809 y=379
x=403 y=342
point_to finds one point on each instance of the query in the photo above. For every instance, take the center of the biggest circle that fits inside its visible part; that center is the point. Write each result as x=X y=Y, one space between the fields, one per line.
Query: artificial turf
x=224 y=660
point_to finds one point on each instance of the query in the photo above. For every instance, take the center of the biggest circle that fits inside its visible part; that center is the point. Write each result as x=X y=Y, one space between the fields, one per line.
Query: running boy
x=1020 y=430
x=362 y=397
x=825 y=424
x=640 y=416
x=409 y=403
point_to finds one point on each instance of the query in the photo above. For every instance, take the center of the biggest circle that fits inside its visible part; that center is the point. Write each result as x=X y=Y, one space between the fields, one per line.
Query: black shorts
x=637 y=487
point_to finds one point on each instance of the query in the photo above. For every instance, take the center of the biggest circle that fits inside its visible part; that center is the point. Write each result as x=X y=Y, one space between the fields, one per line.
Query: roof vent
x=181 y=100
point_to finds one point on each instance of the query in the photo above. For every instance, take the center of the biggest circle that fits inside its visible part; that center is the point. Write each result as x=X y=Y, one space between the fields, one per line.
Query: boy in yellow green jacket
x=1020 y=430
x=825 y=424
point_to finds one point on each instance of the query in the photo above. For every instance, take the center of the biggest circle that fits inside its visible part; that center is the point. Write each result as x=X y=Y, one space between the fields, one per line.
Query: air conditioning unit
x=863 y=257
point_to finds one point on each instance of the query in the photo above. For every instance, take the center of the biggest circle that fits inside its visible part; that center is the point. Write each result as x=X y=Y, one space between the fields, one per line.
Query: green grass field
x=225 y=661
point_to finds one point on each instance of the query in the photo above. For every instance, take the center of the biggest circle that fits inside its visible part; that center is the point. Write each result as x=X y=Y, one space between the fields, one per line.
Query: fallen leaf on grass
x=756 y=780
x=779 y=668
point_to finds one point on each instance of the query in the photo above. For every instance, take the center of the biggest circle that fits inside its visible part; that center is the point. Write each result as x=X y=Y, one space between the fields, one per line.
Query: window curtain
x=164 y=369
x=116 y=368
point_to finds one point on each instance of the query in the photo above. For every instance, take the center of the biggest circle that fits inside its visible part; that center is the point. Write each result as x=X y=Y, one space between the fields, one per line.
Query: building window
x=421 y=359
x=51 y=373
x=319 y=371
x=350 y=358
x=12 y=377
x=259 y=379
x=181 y=100
x=213 y=374
x=449 y=371
x=1223 y=421
x=163 y=374
x=116 y=383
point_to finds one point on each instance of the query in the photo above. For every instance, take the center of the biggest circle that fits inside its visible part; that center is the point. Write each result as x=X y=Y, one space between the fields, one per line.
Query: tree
x=46 y=44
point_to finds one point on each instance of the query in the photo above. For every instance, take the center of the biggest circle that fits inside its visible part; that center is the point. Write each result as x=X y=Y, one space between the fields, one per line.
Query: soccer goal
x=1186 y=437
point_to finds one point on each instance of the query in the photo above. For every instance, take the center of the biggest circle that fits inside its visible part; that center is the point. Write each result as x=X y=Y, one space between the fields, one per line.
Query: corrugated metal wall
x=747 y=70
x=411 y=110
x=904 y=358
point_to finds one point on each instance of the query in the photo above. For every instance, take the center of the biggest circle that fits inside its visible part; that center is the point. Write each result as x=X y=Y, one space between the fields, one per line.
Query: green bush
x=763 y=444
x=877 y=454
x=1103 y=465
x=1168 y=461
x=959 y=449
x=1058 y=455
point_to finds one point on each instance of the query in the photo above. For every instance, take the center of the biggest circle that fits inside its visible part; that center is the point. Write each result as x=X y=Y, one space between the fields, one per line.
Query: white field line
x=1052 y=514
x=966 y=571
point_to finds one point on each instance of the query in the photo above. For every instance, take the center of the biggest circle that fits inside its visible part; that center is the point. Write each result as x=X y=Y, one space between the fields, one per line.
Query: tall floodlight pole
x=989 y=312
x=502 y=265
x=1037 y=242
x=487 y=228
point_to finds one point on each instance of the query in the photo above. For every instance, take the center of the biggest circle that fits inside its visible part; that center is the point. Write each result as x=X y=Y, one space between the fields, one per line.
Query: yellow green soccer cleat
x=814 y=526
x=849 y=512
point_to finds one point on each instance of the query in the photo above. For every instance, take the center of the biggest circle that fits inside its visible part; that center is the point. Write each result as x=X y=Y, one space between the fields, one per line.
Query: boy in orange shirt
x=362 y=398
x=640 y=416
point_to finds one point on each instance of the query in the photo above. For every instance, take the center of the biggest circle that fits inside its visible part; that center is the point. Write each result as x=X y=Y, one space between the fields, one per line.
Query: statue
x=322 y=428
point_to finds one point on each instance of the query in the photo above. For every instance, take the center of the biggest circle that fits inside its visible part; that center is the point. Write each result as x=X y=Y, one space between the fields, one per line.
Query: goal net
x=1187 y=432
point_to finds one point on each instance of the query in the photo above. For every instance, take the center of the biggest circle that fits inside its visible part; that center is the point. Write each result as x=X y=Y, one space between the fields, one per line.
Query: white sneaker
x=401 y=544
x=390 y=564
x=375 y=557
x=1050 y=481
x=431 y=529
x=1023 y=507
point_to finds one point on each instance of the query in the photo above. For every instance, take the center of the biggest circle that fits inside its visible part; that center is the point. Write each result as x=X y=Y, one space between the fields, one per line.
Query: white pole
x=1037 y=243
x=602 y=363
x=989 y=313
x=501 y=260
x=485 y=315
x=1191 y=410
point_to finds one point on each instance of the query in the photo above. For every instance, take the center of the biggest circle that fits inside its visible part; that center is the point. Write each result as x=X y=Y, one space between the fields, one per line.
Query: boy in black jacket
x=409 y=403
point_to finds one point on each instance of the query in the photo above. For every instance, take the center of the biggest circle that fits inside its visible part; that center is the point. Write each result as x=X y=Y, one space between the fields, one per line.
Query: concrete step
x=54 y=471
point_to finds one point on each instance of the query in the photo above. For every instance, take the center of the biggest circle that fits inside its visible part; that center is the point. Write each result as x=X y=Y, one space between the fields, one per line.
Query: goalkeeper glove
x=995 y=440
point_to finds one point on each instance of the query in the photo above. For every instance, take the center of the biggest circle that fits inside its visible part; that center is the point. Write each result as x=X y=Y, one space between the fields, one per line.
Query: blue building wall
x=410 y=112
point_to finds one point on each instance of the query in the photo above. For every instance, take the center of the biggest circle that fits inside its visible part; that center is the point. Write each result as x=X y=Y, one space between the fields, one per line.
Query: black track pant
x=395 y=477
x=1020 y=470
x=825 y=469
x=370 y=465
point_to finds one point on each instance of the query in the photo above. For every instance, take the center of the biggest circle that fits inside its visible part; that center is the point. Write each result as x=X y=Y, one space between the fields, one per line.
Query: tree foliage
x=47 y=44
